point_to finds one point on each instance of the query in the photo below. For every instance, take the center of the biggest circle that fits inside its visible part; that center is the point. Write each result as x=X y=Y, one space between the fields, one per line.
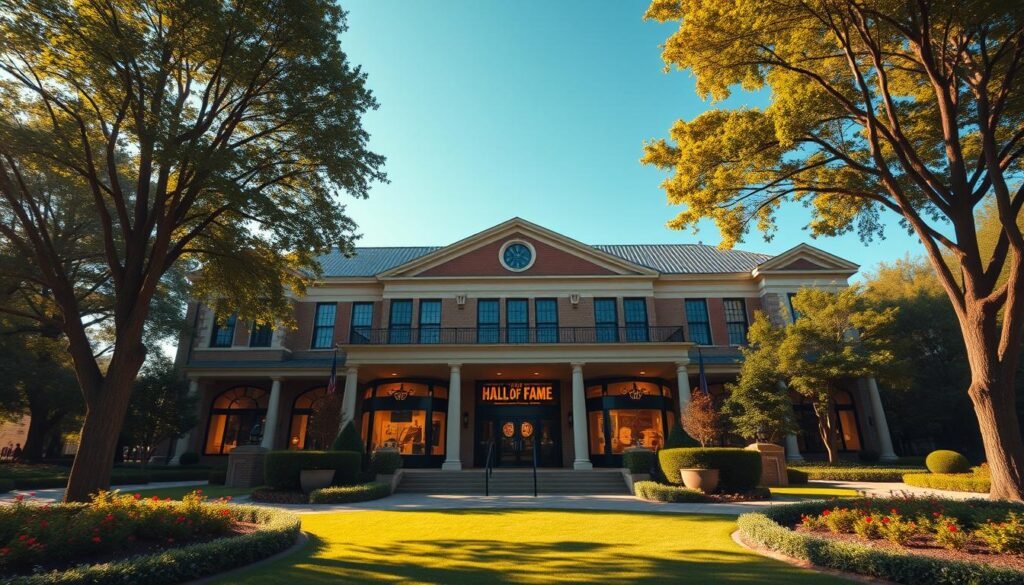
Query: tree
x=214 y=134
x=701 y=419
x=160 y=407
x=911 y=108
x=758 y=406
x=325 y=423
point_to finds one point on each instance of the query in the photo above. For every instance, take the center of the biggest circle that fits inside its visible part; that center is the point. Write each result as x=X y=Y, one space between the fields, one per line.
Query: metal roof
x=665 y=258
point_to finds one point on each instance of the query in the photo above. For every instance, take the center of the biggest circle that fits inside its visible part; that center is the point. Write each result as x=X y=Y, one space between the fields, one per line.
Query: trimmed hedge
x=767 y=530
x=188 y=458
x=281 y=468
x=385 y=462
x=659 y=492
x=868 y=474
x=638 y=461
x=350 y=493
x=218 y=476
x=957 y=482
x=796 y=476
x=278 y=530
x=739 y=470
x=6 y=485
x=943 y=461
x=272 y=496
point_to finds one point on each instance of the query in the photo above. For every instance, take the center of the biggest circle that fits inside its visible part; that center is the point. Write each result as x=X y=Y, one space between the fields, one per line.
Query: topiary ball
x=943 y=461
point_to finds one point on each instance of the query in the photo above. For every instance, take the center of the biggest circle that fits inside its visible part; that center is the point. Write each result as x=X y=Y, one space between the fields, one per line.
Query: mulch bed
x=925 y=546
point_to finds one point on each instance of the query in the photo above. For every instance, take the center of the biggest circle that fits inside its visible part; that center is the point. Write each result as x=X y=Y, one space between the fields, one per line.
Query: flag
x=332 y=382
x=703 y=378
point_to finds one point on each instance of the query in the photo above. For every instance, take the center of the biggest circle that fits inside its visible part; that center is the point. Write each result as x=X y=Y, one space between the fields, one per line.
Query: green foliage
x=349 y=494
x=1005 y=536
x=160 y=407
x=796 y=476
x=385 y=462
x=850 y=473
x=944 y=461
x=6 y=485
x=188 y=458
x=349 y=439
x=281 y=469
x=739 y=470
x=758 y=405
x=767 y=528
x=659 y=492
x=677 y=437
x=218 y=476
x=957 y=482
x=638 y=460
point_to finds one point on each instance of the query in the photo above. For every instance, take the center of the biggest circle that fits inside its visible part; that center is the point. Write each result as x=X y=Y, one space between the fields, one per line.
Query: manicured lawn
x=520 y=546
x=210 y=491
x=798 y=493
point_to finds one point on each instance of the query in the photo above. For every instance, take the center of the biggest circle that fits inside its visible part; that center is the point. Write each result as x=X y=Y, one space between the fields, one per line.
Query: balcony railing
x=485 y=335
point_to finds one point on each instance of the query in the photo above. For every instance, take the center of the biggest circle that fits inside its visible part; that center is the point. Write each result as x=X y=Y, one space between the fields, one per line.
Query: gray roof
x=665 y=258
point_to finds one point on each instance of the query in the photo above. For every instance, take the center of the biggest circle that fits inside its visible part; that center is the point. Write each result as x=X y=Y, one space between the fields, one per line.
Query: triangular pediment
x=550 y=254
x=806 y=258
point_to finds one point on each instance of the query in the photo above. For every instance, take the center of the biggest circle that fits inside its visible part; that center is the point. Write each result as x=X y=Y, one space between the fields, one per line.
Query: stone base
x=582 y=464
x=245 y=466
x=452 y=465
x=773 y=464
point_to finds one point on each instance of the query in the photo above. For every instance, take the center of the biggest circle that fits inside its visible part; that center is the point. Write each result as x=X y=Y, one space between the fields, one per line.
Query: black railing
x=484 y=335
x=535 y=467
x=488 y=468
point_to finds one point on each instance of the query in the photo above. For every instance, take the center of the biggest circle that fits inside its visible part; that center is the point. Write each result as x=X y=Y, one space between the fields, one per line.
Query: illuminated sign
x=518 y=392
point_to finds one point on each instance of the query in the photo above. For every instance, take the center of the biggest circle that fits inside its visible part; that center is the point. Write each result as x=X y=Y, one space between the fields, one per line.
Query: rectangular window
x=362 y=322
x=487 y=321
x=430 y=321
x=323 y=325
x=547 y=320
x=517 y=315
x=223 y=333
x=697 y=319
x=792 y=309
x=606 y=320
x=736 y=321
x=260 y=335
x=635 y=312
x=400 y=324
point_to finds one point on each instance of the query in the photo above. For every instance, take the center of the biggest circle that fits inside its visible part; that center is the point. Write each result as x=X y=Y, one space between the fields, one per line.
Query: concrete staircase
x=513 y=482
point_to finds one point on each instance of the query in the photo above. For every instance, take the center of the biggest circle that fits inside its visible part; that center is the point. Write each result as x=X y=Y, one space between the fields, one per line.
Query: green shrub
x=638 y=460
x=6 y=485
x=659 y=492
x=1006 y=537
x=218 y=476
x=350 y=493
x=796 y=476
x=188 y=458
x=957 y=482
x=349 y=439
x=739 y=470
x=943 y=461
x=849 y=473
x=768 y=529
x=385 y=462
x=678 y=438
x=281 y=468
x=272 y=496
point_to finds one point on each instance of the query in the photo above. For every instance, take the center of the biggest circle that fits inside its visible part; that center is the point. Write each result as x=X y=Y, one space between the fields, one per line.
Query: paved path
x=879 y=490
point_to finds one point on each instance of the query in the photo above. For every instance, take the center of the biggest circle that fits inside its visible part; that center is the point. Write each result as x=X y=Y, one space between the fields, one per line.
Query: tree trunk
x=827 y=430
x=38 y=428
x=1000 y=434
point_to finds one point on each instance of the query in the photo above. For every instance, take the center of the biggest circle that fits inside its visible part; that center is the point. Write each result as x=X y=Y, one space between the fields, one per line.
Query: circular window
x=517 y=255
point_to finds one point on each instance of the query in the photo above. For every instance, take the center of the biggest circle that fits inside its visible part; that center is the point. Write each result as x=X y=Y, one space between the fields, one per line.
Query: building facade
x=516 y=341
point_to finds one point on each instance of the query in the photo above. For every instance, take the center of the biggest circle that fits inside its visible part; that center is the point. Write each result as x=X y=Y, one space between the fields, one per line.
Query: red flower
x=137 y=496
x=867 y=519
x=19 y=498
x=227 y=498
x=5 y=550
x=951 y=528
x=155 y=498
x=225 y=512
x=895 y=511
x=936 y=514
x=96 y=540
x=885 y=520
x=43 y=523
x=170 y=540
x=110 y=517
x=825 y=513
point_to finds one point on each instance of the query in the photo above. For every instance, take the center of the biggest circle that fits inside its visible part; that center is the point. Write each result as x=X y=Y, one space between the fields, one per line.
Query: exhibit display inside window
x=408 y=416
x=624 y=413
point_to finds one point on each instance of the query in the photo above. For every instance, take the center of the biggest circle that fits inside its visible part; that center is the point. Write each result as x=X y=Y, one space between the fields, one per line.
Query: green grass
x=210 y=491
x=521 y=546
x=797 y=493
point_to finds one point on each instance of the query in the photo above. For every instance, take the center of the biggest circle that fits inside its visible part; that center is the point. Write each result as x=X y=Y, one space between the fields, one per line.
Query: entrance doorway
x=516 y=438
x=516 y=418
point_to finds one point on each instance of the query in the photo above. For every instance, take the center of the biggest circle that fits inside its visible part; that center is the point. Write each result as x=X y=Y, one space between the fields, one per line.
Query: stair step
x=513 y=482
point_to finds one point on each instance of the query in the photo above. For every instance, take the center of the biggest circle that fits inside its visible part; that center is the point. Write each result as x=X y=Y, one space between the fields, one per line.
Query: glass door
x=515 y=442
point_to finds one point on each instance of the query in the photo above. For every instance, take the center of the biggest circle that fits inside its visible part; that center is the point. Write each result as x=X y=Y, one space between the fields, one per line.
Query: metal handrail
x=494 y=335
x=535 y=466
x=488 y=468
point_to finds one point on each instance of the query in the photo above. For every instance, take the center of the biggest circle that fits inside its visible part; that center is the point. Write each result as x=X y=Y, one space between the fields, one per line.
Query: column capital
x=351 y=370
x=455 y=366
x=277 y=379
x=681 y=365
x=577 y=365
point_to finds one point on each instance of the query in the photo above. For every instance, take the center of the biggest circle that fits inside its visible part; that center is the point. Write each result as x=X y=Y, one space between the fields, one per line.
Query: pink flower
x=19 y=498
x=110 y=517
x=137 y=496
x=43 y=523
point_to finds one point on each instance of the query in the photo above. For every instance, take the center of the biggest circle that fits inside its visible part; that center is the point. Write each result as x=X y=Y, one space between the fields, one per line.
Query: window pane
x=323 y=329
x=596 y=430
x=634 y=388
x=400 y=322
x=362 y=322
x=736 y=321
x=401 y=390
x=430 y=321
x=697 y=319
x=635 y=311
x=223 y=333
x=215 y=433
x=487 y=318
x=399 y=429
x=547 y=320
x=260 y=335
x=848 y=428
x=595 y=391
x=636 y=428
x=297 y=440
x=437 y=434
x=606 y=320
x=517 y=313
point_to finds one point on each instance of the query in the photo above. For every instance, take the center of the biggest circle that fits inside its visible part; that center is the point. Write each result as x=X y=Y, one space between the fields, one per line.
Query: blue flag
x=703 y=379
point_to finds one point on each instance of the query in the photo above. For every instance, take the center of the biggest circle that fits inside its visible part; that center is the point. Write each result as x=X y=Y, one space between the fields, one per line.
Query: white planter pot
x=314 y=479
x=705 y=480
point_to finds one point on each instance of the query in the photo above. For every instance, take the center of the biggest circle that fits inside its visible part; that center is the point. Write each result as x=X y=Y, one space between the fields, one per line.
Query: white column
x=683 y=380
x=183 y=441
x=579 y=420
x=453 y=440
x=348 y=398
x=273 y=408
x=793 y=449
x=878 y=413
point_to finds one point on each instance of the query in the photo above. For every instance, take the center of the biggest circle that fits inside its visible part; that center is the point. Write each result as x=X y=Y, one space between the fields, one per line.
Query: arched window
x=624 y=413
x=233 y=415
x=305 y=407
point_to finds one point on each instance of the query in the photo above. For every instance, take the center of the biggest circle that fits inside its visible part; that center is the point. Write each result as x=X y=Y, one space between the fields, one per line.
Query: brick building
x=516 y=337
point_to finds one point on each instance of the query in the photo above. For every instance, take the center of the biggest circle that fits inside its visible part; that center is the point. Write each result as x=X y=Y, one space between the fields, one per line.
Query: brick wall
x=484 y=261
x=582 y=315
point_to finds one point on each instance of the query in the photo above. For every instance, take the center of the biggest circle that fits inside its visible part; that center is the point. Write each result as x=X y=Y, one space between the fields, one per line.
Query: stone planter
x=705 y=480
x=314 y=479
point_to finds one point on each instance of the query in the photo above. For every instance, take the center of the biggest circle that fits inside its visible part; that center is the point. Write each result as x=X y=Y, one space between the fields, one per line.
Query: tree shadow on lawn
x=424 y=557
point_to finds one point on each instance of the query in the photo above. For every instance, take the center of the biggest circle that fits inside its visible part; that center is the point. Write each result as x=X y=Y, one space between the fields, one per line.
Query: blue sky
x=490 y=110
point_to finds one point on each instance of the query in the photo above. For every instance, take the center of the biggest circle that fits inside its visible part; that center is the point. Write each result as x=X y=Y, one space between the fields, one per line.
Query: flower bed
x=904 y=540
x=856 y=473
x=129 y=539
